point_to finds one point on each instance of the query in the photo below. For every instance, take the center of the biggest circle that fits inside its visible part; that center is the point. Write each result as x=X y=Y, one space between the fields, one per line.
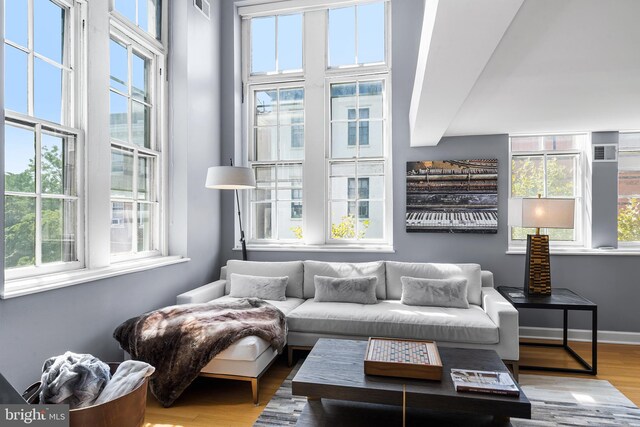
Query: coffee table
x=334 y=372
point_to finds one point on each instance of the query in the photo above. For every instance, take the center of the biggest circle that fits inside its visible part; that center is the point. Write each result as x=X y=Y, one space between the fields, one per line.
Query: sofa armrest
x=505 y=316
x=202 y=294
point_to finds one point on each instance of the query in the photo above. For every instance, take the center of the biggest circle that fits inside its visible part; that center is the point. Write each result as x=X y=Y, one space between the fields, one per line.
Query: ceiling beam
x=458 y=39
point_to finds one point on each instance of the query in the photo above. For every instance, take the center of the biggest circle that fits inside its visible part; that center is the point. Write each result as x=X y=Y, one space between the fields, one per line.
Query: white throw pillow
x=270 y=288
x=359 y=290
x=435 y=292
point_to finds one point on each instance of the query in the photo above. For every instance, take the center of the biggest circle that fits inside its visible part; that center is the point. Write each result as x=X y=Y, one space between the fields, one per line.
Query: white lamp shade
x=230 y=178
x=541 y=213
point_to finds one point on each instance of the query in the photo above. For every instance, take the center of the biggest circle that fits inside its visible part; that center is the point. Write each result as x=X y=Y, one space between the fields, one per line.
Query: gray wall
x=610 y=281
x=82 y=318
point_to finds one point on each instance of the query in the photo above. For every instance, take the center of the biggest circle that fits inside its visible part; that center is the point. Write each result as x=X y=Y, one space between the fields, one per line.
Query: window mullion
x=38 y=176
x=134 y=204
x=30 y=60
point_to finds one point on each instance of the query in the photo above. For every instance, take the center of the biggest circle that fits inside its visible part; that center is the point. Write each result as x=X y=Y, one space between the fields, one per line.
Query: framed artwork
x=452 y=196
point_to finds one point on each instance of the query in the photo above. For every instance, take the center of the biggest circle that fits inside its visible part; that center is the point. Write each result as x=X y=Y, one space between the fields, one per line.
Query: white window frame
x=89 y=80
x=131 y=38
x=71 y=114
x=583 y=175
x=316 y=83
x=623 y=244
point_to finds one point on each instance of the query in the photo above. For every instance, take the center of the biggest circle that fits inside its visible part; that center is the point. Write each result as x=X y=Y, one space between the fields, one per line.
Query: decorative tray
x=404 y=358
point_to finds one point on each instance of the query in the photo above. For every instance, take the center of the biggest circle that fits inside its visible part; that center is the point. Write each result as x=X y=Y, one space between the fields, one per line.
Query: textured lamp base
x=537 y=277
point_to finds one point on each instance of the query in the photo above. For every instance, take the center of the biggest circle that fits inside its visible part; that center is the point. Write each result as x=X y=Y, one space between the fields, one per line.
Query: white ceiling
x=561 y=65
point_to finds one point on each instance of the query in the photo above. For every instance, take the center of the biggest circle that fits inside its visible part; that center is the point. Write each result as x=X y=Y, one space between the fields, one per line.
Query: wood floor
x=213 y=402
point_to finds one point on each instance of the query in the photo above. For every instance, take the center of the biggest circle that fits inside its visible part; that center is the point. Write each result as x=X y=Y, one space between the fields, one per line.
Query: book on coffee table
x=484 y=382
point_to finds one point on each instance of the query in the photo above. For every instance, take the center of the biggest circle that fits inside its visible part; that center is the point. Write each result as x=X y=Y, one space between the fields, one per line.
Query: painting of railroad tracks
x=452 y=196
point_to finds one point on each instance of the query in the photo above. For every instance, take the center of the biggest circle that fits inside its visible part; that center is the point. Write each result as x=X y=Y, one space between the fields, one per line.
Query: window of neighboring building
x=550 y=166
x=289 y=122
x=629 y=188
x=43 y=201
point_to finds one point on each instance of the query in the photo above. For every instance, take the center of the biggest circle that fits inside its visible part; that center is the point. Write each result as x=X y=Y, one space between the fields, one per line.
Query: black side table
x=565 y=300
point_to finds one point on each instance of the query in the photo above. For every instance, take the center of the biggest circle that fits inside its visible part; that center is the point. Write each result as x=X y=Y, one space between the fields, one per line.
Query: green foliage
x=629 y=222
x=346 y=229
x=20 y=212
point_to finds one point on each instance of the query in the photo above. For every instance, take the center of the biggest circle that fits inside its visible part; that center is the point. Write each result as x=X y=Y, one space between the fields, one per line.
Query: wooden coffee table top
x=335 y=370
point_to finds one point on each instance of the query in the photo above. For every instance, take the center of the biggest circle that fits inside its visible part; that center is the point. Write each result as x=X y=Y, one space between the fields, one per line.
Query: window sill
x=581 y=251
x=384 y=249
x=20 y=287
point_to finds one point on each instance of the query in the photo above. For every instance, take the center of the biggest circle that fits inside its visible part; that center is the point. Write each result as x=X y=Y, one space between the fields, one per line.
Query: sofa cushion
x=267 y=288
x=391 y=318
x=343 y=269
x=292 y=269
x=359 y=290
x=471 y=272
x=434 y=292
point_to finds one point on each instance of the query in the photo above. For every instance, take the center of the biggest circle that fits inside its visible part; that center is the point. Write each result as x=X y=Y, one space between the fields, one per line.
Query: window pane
x=266 y=108
x=47 y=90
x=342 y=36
x=287 y=224
x=262 y=220
x=371 y=139
x=118 y=117
x=629 y=160
x=48 y=29
x=371 y=33
x=58 y=230
x=343 y=140
x=263 y=44
x=371 y=96
x=140 y=125
x=145 y=178
x=527 y=176
x=561 y=176
x=58 y=165
x=290 y=42
x=19 y=231
x=629 y=141
x=15 y=79
x=121 y=223
x=563 y=142
x=127 y=8
x=629 y=182
x=291 y=119
x=371 y=226
x=140 y=88
x=145 y=227
x=121 y=174
x=526 y=143
x=266 y=143
x=371 y=175
x=118 y=66
x=343 y=99
x=343 y=174
x=19 y=160
x=16 y=17
x=629 y=219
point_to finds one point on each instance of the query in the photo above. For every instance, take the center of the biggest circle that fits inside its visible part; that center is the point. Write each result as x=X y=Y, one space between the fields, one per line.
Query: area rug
x=556 y=401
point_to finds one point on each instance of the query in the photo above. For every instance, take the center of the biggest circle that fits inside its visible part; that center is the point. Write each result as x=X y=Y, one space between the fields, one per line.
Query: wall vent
x=203 y=6
x=605 y=153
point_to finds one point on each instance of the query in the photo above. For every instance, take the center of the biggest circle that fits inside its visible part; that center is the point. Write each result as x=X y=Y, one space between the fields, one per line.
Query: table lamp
x=540 y=213
x=232 y=178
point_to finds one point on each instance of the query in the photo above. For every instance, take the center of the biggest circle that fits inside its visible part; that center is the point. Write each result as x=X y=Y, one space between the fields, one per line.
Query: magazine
x=484 y=382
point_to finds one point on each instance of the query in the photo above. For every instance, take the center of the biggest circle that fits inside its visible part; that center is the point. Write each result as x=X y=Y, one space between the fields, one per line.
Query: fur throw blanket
x=180 y=340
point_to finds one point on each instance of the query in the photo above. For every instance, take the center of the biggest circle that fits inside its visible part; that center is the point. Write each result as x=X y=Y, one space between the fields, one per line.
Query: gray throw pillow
x=272 y=288
x=435 y=292
x=360 y=290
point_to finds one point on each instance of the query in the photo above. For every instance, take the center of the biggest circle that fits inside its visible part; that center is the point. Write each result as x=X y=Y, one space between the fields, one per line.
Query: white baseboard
x=609 y=337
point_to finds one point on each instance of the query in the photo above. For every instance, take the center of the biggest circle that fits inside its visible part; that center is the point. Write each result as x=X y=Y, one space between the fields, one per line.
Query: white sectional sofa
x=490 y=322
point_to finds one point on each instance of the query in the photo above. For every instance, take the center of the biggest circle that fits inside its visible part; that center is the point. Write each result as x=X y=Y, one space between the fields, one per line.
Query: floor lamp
x=540 y=213
x=232 y=178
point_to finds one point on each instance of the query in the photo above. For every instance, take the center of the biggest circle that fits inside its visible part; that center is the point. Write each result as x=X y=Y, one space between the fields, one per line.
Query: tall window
x=550 y=166
x=43 y=201
x=305 y=150
x=135 y=147
x=629 y=189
